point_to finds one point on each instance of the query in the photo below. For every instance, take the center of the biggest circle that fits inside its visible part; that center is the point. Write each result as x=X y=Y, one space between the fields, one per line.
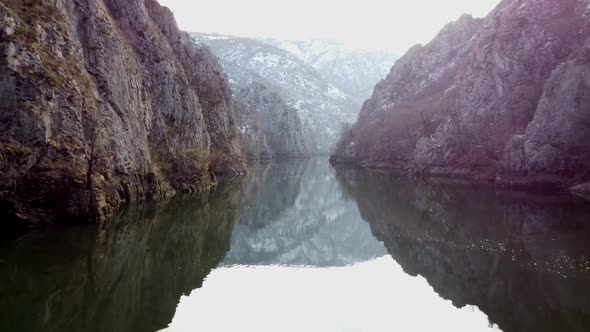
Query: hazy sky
x=387 y=24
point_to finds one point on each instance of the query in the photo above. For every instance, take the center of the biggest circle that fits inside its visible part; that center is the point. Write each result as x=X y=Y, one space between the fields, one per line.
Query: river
x=301 y=246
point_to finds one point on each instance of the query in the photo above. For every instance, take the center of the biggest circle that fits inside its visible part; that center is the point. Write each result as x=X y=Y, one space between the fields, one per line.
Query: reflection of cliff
x=125 y=276
x=270 y=190
x=294 y=214
x=522 y=260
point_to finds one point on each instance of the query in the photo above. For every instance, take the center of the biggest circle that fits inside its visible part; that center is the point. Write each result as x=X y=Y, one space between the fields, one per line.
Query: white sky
x=394 y=25
x=376 y=296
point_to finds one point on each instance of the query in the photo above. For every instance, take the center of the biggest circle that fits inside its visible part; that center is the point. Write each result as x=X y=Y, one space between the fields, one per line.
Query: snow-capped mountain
x=269 y=126
x=321 y=105
x=354 y=71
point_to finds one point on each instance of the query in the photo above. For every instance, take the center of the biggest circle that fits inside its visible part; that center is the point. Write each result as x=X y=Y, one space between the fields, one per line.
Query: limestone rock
x=103 y=102
x=504 y=98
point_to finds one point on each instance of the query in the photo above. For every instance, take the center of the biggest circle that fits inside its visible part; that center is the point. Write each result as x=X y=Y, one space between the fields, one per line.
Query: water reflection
x=312 y=265
x=523 y=260
x=298 y=246
x=125 y=276
x=369 y=296
x=294 y=214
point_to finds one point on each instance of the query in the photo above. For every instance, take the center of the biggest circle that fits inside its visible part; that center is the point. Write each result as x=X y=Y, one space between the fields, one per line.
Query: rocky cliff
x=103 y=102
x=280 y=124
x=254 y=140
x=504 y=98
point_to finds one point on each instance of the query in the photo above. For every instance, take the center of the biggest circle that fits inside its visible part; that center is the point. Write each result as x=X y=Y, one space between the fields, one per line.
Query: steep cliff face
x=254 y=141
x=504 y=98
x=125 y=275
x=280 y=124
x=106 y=101
x=415 y=88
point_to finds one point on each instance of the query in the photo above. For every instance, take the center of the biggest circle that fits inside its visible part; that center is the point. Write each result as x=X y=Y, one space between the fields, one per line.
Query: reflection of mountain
x=272 y=189
x=522 y=260
x=125 y=276
x=303 y=222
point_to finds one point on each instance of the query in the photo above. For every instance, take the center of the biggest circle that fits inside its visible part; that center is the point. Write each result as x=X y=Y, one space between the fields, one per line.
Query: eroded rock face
x=106 y=101
x=504 y=98
x=254 y=142
x=293 y=214
x=279 y=123
x=125 y=275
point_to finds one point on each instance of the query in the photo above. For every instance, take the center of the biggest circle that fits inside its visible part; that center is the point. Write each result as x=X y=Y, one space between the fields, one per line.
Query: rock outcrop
x=104 y=102
x=294 y=215
x=280 y=124
x=505 y=98
x=582 y=190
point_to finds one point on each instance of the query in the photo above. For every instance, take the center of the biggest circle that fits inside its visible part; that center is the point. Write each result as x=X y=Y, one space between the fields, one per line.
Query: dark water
x=302 y=247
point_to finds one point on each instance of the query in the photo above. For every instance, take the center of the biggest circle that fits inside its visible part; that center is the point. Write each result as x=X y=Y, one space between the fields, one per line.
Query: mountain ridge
x=322 y=106
x=483 y=100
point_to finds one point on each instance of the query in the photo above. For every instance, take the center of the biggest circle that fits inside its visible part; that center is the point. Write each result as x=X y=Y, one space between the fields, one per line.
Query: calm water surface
x=298 y=246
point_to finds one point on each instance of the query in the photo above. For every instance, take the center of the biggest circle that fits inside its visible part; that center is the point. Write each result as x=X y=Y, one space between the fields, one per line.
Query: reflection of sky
x=317 y=228
x=334 y=237
x=370 y=296
x=378 y=24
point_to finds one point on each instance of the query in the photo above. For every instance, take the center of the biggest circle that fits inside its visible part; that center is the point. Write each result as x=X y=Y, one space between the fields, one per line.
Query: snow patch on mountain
x=353 y=71
x=321 y=105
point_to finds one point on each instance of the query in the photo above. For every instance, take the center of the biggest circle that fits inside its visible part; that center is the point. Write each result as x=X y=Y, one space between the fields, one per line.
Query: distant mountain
x=321 y=105
x=104 y=102
x=354 y=71
x=296 y=216
x=269 y=126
